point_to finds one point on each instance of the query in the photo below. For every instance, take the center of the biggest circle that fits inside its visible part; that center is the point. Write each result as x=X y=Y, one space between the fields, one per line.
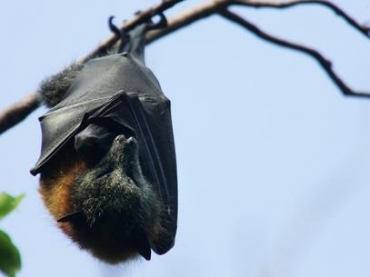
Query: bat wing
x=150 y=121
x=121 y=92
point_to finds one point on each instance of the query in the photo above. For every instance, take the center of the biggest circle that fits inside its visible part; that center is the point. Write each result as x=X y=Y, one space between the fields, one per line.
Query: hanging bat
x=107 y=165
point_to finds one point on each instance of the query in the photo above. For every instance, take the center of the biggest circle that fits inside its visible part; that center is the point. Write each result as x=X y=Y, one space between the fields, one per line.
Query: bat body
x=107 y=165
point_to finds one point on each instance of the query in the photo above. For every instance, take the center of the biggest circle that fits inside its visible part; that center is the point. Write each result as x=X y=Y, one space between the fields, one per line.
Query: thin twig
x=283 y=5
x=191 y=16
x=325 y=64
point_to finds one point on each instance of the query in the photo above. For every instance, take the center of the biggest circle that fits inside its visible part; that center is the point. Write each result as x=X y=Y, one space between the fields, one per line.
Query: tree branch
x=325 y=64
x=17 y=112
x=191 y=16
x=283 y=5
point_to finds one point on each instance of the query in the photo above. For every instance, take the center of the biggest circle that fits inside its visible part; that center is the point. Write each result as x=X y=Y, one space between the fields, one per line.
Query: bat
x=107 y=164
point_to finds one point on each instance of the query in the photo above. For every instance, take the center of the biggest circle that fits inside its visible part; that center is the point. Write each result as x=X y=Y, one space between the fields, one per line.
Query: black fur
x=52 y=90
x=115 y=200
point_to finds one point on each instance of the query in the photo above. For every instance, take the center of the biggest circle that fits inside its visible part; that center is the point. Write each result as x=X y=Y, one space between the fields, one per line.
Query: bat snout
x=131 y=141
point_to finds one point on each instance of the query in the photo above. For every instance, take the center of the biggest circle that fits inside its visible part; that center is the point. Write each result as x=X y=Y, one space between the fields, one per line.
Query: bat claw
x=162 y=23
x=120 y=34
x=114 y=29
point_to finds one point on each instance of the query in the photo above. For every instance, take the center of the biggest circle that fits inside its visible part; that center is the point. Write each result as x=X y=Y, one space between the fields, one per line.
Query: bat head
x=115 y=212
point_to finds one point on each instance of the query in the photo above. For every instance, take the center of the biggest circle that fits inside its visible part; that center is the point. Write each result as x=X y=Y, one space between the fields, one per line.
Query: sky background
x=273 y=162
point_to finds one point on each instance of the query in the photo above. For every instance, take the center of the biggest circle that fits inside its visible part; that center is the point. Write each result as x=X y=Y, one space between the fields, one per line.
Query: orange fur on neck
x=55 y=185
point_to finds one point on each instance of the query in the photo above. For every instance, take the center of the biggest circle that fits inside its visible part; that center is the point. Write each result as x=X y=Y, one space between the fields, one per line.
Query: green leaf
x=8 y=203
x=10 y=259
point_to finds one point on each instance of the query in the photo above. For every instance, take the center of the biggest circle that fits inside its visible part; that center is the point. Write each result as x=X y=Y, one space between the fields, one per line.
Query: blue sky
x=273 y=162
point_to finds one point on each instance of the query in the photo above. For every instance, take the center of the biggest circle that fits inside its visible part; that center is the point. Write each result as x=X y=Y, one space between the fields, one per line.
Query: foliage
x=10 y=259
